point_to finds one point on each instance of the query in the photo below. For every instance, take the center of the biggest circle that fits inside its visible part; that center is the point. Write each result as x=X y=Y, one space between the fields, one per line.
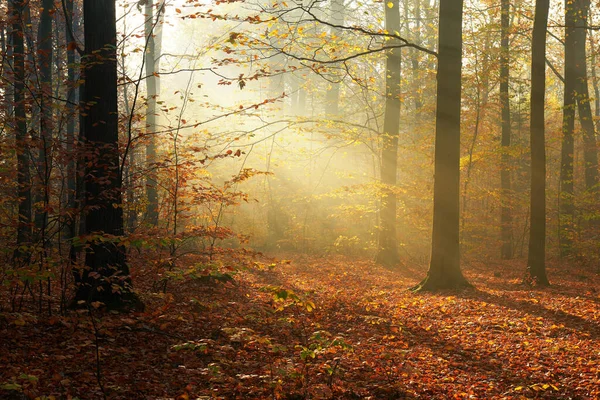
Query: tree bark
x=444 y=268
x=536 y=261
x=566 y=208
x=590 y=152
x=387 y=238
x=106 y=274
x=332 y=96
x=44 y=162
x=17 y=9
x=506 y=235
x=153 y=32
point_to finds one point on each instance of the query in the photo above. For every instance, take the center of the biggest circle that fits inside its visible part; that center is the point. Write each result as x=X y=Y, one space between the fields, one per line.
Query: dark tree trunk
x=387 y=238
x=590 y=153
x=153 y=35
x=17 y=9
x=567 y=144
x=536 y=261
x=506 y=235
x=444 y=269
x=44 y=162
x=106 y=274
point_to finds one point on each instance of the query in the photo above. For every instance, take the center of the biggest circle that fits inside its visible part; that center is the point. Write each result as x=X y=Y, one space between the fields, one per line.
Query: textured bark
x=106 y=274
x=387 y=238
x=444 y=268
x=536 y=260
x=71 y=116
x=506 y=235
x=567 y=143
x=17 y=12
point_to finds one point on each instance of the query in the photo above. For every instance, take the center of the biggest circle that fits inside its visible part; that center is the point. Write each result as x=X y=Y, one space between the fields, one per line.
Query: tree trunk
x=106 y=274
x=444 y=269
x=566 y=208
x=71 y=118
x=590 y=153
x=332 y=97
x=536 y=261
x=387 y=238
x=20 y=128
x=153 y=30
x=506 y=235
x=44 y=162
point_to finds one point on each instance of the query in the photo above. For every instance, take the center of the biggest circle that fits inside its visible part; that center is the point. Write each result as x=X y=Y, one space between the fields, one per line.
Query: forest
x=299 y=199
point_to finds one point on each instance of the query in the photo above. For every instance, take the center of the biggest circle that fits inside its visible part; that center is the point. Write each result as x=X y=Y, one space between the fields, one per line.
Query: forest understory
x=331 y=327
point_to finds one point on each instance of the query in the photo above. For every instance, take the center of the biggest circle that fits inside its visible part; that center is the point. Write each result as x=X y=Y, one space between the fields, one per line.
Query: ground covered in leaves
x=314 y=328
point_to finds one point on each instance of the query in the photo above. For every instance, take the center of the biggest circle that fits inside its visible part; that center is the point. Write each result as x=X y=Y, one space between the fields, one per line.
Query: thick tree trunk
x=536 y=261
x=17 y=9
x=444 y=269
x=153 y=30
x=566 y=208
x=106 y=274
x=506 y=235
x=387 y=238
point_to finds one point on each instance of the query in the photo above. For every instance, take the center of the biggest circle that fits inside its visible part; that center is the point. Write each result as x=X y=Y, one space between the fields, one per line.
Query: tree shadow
x=570 y=321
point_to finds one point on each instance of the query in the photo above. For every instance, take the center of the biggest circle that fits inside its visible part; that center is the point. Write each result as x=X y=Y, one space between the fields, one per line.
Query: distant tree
x=17 y=13
x=45 y=52
x=505 y=183
x=387 y=238
x=567 y=142
x=444 y=269
x=105 y=277
x=153 y=31
x=581 y=10
x=536 y=261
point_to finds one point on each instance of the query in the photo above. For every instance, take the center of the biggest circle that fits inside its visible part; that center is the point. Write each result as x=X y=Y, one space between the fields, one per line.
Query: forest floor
x=320 y=328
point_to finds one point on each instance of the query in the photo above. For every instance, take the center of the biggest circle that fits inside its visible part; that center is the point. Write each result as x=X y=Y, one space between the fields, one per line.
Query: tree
x=105 y=277
x=536 y=260
x=590 y=152
x=505 y=184
x=387 y=238
x=444 y=269
x=567 y=142
x=153 y=31
x=17 y=12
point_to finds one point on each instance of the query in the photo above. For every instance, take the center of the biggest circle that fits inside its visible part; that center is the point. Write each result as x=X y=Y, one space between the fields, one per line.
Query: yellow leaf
x=390 y=4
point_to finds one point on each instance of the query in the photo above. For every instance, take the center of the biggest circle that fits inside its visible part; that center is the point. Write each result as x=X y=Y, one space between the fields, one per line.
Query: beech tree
x=105 y=277
x=505 y=181
x=388 y=246
x=536 y=260
x=444 y=268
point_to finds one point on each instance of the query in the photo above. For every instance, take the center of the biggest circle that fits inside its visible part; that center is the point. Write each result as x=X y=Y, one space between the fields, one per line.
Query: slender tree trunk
x=536 y=261
x=153 y=30
x=444 y=269
x=590 y=152
x=506 y=235
x=71 y=117
x=332 y=97
x=387 y=238
x=566 y=208
x=106 y=276
x=17 y=9
x=415 y=60
x=44 y=162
